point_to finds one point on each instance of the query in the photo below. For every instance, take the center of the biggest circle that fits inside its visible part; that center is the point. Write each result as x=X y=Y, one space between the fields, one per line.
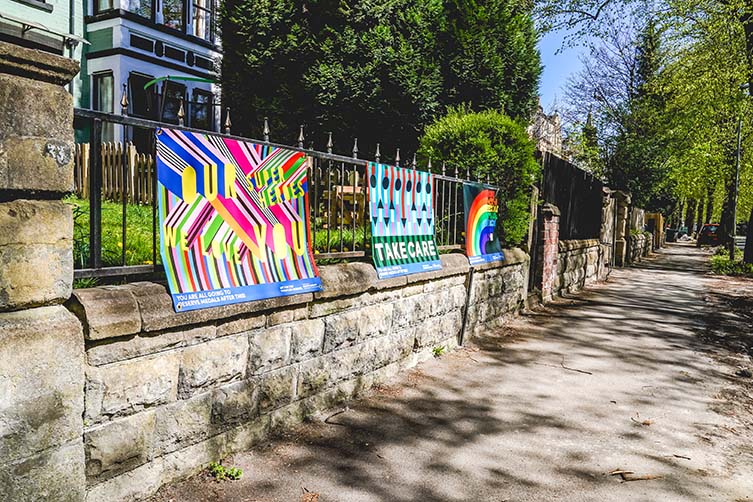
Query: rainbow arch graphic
x=481 y=209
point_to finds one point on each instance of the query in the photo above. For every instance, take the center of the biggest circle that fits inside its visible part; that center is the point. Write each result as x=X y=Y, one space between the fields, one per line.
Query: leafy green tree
x=376 y=70
x=495 y=147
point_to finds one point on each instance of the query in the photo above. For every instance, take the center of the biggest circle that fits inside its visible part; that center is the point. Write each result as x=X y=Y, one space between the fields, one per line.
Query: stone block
x=268 y=349
x=346 y=279
x=36 y=253
x=183 y=423
x=188 y=461
x=375 y=320
x=248 y=435
x=307 y=339
x=287 y=316
x=341 y=329
x=157 y=311
x=452 y=264
x=56 y=474
x=276 y=388
x=37 y=163
x=41 y=381
x=234 y=404
x=131 y=386
x=106 y=312
x=119 y=446
x=144 y=344
x=29 y=108
x=209 y=364
x=243 y=325
x=137 y=484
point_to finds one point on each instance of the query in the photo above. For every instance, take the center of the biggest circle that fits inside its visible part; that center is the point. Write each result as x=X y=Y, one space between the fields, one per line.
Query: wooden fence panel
x=135 y=180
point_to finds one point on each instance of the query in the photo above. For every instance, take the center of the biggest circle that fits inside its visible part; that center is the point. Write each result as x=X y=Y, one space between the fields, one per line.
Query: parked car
x=709 y=235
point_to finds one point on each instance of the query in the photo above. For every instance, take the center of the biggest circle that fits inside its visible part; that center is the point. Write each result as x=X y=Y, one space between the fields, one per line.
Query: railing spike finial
x=413 y=163
x=428 y=165
x=330 y=144
x=468 y=173
x=355 y=148
x=377 y=154
x=397 y=158
x=266 y=129
x=228 y=123
x=457 y=172
x=181 y=113
x=124 y=100
x=301 y=138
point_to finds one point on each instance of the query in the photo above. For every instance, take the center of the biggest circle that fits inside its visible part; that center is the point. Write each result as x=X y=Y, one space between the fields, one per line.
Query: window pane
x=203 y=19
x=140 y=7
x=103 y=5
x=104 y=101
x=172 y=11
x=143 y=101
x=201 y=110
x=171 y=95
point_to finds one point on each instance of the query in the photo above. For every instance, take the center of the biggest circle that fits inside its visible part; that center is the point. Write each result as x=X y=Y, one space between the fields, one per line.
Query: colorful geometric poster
x=481 y=206
x=401 y=202
x=233 y=220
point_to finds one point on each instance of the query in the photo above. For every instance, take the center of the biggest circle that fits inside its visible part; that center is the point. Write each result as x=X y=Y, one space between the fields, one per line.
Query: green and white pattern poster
x=401 y=203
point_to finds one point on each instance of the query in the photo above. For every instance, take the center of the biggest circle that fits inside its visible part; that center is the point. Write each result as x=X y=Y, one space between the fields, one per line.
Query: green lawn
x=138 y=246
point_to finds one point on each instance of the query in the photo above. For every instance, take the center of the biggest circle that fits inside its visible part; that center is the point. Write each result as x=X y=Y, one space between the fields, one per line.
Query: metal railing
x=116 y=230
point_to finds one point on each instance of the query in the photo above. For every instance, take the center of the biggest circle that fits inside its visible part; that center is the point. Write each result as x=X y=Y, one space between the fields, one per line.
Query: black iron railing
x=116 y=225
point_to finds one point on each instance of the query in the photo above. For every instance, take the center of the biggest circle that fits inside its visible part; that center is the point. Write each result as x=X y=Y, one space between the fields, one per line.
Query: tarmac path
x=620 y=377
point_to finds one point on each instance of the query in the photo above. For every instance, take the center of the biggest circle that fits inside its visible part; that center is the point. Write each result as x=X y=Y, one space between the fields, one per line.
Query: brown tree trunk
x=699 y=220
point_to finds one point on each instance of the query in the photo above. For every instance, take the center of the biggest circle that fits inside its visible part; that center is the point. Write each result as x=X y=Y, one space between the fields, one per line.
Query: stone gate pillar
x=41 y=343
x=550 y=240
x=621 y=228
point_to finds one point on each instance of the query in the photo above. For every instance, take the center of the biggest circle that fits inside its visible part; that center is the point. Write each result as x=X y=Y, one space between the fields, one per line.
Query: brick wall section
x=550 y=250
x=167 y=393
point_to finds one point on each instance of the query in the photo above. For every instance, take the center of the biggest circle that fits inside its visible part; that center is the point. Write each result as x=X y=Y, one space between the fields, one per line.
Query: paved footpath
x=615 y=378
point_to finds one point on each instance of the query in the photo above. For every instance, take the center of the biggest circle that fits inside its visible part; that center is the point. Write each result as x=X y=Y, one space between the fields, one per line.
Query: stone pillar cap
x=36 y=65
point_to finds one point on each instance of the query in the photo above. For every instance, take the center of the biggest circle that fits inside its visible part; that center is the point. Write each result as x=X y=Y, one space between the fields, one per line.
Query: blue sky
x=557 y=67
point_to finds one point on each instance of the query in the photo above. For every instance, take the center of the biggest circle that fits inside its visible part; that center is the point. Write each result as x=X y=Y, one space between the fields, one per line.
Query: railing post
x=397 y=158
x=329 y=142
x=228 y=123
x=413 y=163
x=301 y=138
x=377 y=154
x=95 y=195
x=266 y=130
x=355 y=148
x=181 y=113
x=124 y=100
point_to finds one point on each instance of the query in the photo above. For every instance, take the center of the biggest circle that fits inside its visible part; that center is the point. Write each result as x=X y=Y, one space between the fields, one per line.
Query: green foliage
x=438 y=351
x=493 y=146
x=378 y=71
x=722 y=265
x=222 y=473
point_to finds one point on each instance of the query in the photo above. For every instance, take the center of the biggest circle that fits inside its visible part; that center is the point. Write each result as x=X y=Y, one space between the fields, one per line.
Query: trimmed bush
x=492 y=145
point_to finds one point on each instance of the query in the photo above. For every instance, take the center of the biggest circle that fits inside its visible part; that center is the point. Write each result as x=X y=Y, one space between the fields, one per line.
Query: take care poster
x=233 y=219
x=481 y=209
x=401 y=203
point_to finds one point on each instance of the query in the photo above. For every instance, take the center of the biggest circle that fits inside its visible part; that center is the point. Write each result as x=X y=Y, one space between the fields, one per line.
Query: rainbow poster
x=401 y=204
x=233 y=220
x=481 y=208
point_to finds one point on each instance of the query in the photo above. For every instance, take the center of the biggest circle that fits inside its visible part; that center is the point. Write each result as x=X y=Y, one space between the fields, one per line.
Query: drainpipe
x=72 y=31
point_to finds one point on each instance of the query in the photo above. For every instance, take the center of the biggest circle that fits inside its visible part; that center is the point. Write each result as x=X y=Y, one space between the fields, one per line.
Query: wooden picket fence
x=135 y=180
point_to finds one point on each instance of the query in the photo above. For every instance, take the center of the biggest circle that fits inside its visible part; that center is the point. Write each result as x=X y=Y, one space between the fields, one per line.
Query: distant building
x=546 y=130
x=134 y=42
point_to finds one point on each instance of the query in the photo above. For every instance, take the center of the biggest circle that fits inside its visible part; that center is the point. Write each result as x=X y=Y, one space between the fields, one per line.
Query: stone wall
x=41 y=343
x=167 y=393
x=640 y=246
x=579 y=263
